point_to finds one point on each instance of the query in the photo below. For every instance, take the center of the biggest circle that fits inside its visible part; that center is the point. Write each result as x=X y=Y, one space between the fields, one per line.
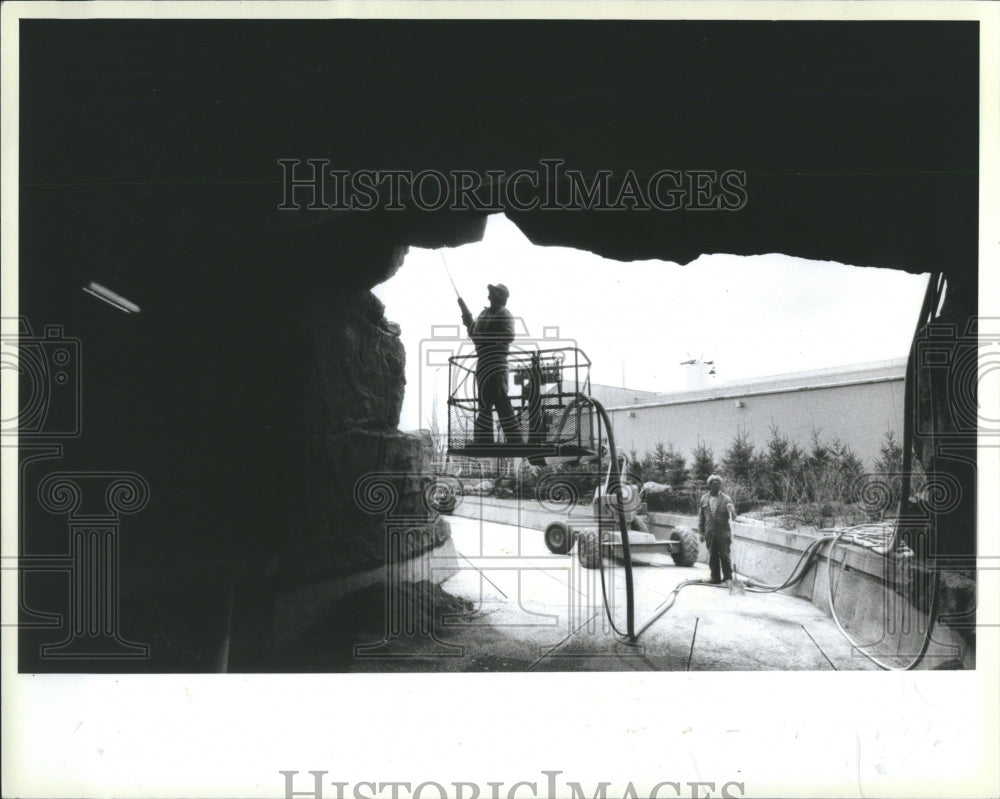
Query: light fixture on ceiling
x=111 y=298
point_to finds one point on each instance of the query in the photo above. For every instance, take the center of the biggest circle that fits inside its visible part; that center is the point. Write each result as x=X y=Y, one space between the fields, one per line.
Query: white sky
x=753 y=316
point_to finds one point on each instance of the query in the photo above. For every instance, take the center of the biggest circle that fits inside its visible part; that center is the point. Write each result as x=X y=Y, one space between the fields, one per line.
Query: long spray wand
x=466 y=313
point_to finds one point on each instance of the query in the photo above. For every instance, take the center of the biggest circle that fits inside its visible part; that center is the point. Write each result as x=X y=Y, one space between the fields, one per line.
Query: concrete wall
x=858 y=415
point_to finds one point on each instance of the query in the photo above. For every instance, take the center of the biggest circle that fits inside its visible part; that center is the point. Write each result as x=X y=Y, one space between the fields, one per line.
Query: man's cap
x=712 y=477
x=500 y=288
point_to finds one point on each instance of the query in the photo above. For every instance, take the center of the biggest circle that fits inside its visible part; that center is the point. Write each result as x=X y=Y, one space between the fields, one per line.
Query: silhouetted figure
x=492 y=332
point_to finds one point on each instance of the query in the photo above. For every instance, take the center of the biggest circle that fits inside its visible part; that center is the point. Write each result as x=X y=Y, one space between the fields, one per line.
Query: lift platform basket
x=553 y=419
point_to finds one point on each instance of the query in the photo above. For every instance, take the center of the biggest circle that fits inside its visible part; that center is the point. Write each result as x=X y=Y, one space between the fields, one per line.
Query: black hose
x=614 y=484
x=932 y=615
x=798 y=572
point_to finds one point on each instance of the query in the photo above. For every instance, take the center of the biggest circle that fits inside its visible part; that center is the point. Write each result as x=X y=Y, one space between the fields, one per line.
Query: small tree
x=636 y=466
x=819 y=454
x=659 y=457
x=890 y=458
x=665 y=464
x=848 y=464
x=782 y=462
x=778 y=456
x=889 y=469
x=647 y=467
x=702 y=462
x=677 y=472
x=739 y=460
x=744 y=470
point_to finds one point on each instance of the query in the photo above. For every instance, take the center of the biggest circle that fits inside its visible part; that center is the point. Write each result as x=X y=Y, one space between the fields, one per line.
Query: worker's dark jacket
x=715 y=526
x=492 y=333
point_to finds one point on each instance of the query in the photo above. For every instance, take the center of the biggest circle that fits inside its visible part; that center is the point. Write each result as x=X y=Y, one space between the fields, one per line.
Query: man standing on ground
x=715 y=511
x=492 y=332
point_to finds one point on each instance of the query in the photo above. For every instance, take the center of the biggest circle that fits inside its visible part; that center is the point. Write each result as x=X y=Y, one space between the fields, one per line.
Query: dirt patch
x=400 y=627
x=497 y=663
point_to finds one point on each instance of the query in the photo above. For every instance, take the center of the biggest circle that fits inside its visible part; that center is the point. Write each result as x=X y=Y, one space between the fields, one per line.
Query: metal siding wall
x=859 y=415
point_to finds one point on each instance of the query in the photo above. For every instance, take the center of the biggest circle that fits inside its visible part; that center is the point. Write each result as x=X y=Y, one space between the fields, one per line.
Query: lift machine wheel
x=588 y=549
x=559 y=538
x=686 y=554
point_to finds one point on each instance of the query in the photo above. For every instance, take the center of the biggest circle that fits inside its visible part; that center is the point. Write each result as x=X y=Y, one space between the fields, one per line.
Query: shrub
x=890 y=459
x=677 y=472
x=636 y=466
x=782 y=467
x=703 y=463
x=742 y=494
x=650 y=469
x=889 y=473
x=817 y=488
x=681 y=498
x=742 y=465
x=738 y=461
x=655 y=463
x=848 y=465
x=664 y=464
x=563 y=481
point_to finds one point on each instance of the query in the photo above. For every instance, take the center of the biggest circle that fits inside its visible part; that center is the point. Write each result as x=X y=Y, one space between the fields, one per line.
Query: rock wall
x=353 y=385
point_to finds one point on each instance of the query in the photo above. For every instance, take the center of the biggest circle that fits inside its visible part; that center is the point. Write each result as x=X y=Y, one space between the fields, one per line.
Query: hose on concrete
x=614 y=482
x=809 y=556
x=798 y=572
x=931 y=616
x=668 y=603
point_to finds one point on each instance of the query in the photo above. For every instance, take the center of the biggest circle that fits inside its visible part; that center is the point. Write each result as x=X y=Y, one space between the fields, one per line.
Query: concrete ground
x=550 y=614
x=521 y=608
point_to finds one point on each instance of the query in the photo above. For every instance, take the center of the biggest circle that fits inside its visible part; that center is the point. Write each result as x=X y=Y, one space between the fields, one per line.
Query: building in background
x=854 y=404
x=612 y=396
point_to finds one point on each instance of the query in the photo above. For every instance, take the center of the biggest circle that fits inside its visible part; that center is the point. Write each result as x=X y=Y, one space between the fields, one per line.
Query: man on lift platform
x=492 y=332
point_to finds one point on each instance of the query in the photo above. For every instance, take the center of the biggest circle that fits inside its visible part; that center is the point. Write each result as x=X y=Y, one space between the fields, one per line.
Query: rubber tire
x=588 y=549
x=639 y=525
x=687 y=555
x=558 y=538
